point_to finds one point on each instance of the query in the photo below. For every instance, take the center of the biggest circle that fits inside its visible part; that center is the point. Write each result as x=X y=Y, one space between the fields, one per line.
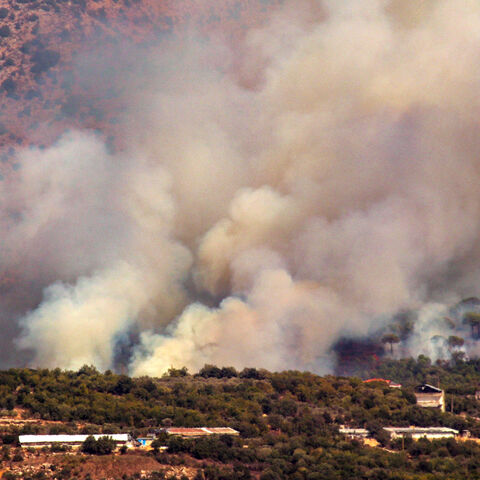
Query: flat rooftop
x=24 y=439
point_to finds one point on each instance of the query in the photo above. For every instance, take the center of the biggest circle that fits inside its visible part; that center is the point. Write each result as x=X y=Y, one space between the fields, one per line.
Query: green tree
x=177 y=372
x=105 y=445
x=454 y=341
x=160 y=441
x=102 y=446
x=390 y=338
x=89 y=445
x=473 y=319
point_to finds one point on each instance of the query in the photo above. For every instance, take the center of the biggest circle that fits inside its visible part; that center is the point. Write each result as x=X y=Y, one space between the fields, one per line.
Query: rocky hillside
x=42 y=41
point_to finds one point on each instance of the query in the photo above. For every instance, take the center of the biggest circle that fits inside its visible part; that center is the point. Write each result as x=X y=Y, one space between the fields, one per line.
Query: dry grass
x=97 y=467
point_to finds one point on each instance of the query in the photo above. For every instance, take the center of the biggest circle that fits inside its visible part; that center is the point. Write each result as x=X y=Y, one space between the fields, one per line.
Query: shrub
x=105 y=445
x=4 y=31
x=212 y=371
x=8 y=85
x=58 y=447
x=43 y=60
x=89 y=445
x=10 y=439
x=102 y=446
x=18 y=457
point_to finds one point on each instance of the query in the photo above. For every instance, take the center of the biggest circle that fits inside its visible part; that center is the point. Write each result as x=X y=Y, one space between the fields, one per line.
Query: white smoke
x=95 y=310
x=103 y=224
x=310 y=183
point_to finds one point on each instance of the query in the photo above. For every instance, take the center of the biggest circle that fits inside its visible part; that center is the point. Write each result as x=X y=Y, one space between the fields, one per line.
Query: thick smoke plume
x=309 y=183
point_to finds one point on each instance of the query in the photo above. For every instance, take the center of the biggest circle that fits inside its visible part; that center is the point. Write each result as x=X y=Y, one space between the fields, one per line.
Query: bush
x=102 y=446
x=58 y=447
x=9 y=85
x=160 y=442
x=105 y=445
x=4 y=31
x=10 y=439
x=18 y=457
x=209 y=371
x=89 y=445
x=177 y=445
x=177 y=372
x=43 y=60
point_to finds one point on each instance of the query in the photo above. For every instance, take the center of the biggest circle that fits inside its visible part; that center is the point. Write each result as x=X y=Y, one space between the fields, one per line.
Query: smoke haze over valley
x=259 y=187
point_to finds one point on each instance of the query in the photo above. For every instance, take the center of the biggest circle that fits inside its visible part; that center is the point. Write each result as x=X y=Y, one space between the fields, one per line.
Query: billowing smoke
x=311 y=182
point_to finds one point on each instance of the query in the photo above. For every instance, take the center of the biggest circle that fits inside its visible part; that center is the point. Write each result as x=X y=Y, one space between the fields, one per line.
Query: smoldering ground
x=310 y=182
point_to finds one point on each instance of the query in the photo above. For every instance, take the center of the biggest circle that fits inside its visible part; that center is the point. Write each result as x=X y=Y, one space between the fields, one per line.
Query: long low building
x=431 y=433
x=201 y=431
x=71 y=440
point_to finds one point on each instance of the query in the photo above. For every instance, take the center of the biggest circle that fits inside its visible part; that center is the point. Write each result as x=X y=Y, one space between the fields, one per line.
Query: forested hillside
x=288 y=421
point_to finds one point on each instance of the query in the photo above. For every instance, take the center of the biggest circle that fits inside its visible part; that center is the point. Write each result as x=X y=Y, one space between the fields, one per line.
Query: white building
x=70 y=440
x=430 y=397
x=201 y=431
x=431 y=433
x=357 y=433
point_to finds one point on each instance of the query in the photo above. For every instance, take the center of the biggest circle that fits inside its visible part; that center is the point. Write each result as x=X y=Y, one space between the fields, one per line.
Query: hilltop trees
x=473 y=319
x=390 y=338
x=211 y=371
x=455 y=342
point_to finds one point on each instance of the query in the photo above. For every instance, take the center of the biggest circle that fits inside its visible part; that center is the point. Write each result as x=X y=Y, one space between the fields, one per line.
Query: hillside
x=43 y=91
x=288 y=423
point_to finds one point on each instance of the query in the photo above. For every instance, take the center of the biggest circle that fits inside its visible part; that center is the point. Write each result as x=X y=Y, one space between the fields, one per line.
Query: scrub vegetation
x=288 y=421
